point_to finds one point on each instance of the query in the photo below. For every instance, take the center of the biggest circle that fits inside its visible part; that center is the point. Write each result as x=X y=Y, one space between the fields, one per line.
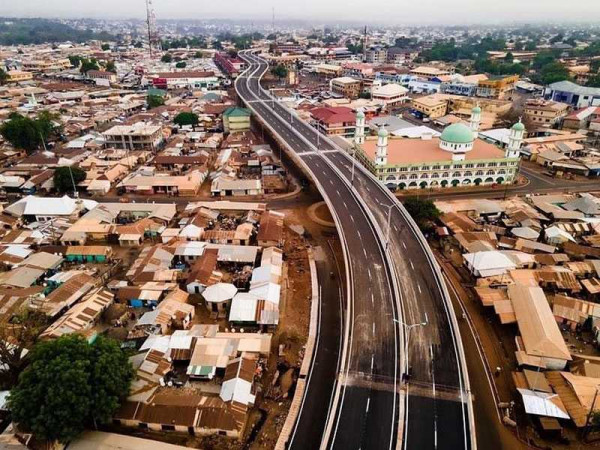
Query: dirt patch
x=319 y=213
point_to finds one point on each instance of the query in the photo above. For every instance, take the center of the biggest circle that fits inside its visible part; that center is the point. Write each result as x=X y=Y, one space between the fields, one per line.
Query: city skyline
x=433 y=12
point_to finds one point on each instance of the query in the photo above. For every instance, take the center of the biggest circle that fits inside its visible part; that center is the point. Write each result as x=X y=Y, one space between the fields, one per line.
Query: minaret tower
x=382 y=147
x=515 y=140
x=475 y=121
x=359 y=134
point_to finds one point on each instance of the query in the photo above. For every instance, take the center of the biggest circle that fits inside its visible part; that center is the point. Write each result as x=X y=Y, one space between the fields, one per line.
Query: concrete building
x=17 y=76
x=236 y=120
x=376 y=55
x=544 y=112
x=429 y=72
x=140 y=136
x=401 y=56
x=497 y=87
x=328 y=70
x=457 y=158
x=195 y=79
x=390 y=95
x=346 y=86
x=339 y=121
x=573 y=94
x=430 y=106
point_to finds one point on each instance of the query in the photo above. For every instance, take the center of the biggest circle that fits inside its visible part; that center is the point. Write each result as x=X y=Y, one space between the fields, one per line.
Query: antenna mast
x=365 y=42
x=153 y=36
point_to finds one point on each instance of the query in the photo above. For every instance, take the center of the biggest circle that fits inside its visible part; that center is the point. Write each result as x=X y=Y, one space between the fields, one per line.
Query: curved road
x=365 y=403
x=438 y=410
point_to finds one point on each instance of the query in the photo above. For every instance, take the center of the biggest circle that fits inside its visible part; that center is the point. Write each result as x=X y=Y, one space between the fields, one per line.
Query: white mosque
x=457 y=158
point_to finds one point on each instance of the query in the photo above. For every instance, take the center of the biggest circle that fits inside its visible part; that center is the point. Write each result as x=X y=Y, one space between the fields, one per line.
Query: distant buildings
x=231 y=66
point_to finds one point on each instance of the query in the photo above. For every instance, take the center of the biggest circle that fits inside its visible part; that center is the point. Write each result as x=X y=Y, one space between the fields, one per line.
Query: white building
x=456 y=158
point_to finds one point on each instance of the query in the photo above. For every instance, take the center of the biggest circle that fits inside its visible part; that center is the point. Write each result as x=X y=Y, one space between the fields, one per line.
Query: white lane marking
x=373 y=328
x=368 y=403
x=404 y=245
x=411 y=265
x=369 y=270
x=372 y=362
x=331 y=182
x=351 y=217
x=338 y=193
x=419 y=286
x=365 y=252
x=345 y=206
x=372 y=299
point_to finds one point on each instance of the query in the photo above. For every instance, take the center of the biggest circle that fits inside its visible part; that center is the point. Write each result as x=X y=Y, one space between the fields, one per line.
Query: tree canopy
x=110 y=67
x=20 y=333
x=424 y=212
x=27 y=133
x=68 y=385
x=3 y=76
x=87 y=65
x=181 y=65
x=166 y=58
x=105 y=47
x=186 y=118
x=155 y=101
x=279 y=71
x=62 y=178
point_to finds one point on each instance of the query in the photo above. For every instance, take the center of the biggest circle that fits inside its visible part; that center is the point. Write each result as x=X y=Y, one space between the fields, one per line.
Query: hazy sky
x=388 y=11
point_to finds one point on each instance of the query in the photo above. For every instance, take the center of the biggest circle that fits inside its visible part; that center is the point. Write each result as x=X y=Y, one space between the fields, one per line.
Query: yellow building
x=236 y=120
x=497 y=87
x=346 y=86
x=432 y=106
x=16 y=76
x=328 y=70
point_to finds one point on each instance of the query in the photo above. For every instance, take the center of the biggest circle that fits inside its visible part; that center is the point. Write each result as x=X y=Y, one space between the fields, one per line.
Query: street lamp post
x=353 y=163
x=409 y=328
x=389 y=225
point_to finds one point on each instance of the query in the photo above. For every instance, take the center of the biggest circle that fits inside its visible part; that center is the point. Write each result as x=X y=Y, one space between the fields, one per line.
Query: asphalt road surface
x=365 y=414
x=436 y=402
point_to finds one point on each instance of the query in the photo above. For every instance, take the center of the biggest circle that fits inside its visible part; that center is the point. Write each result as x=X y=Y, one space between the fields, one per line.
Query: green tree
x=70 y=384
x=186 y=118
x=62 y=178
x=166 y=58
x=181 y=65
x=27 y=133
x=138 y=44
x=279 y=71
x=87 y=65
x=594 y=81
x=198 y=55
x=110 y=67
x=155 y=101
x=551 y=73
x=509 y=58
x=105 y=47
x=424 y=212
x=20 y=333
x=3 y=77
x=75 y=60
